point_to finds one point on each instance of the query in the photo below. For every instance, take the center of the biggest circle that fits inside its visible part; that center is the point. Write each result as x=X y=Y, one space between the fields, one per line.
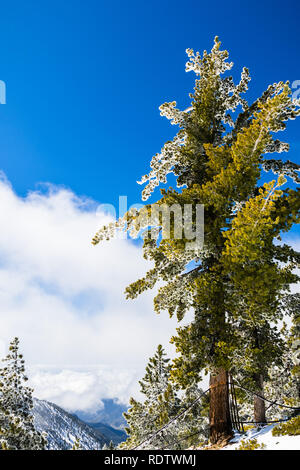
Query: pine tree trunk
x=219 y=414
x=259 y=404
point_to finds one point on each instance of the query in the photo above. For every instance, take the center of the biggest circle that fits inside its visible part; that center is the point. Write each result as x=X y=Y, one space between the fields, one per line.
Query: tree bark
x=259 y=404
x=219 y=414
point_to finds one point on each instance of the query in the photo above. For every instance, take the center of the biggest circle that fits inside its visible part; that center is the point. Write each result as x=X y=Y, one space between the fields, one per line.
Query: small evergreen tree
x=160 y=407
x=76 y=445
x=17 y=431
x=110 y=446
x=156 y=379
x=193 y=427
x=161 y=403
x=294 y=341
x=284 y=384
x=263 y=348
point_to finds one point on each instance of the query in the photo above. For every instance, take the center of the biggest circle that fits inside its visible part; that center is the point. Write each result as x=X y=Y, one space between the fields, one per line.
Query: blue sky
x=85 y=79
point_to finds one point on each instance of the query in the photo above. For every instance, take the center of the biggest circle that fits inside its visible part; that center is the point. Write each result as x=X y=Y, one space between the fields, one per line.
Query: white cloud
x=84 y=389
x=64 y=299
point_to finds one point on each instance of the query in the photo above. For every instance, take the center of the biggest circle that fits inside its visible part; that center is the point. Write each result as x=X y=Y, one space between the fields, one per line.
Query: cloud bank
x=64 y=298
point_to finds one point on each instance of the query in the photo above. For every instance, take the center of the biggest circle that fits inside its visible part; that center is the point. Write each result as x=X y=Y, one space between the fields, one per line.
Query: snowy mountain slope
x=264 y=436
x=63 y=428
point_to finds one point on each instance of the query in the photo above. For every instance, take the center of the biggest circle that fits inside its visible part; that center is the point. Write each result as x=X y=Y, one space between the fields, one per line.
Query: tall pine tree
x=218 y=158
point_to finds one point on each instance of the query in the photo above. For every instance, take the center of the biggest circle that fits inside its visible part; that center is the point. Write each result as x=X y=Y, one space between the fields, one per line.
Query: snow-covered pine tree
x=193 y=427
x=156 y=379
x=17 y=431
x=264 y=348
x=160 y=407
x=284 y=378
x=160 y=404
x=139 y=424
x=293 y=305
x=279 y=350
x=109 y=446
x=218 y=159
x=282 y=387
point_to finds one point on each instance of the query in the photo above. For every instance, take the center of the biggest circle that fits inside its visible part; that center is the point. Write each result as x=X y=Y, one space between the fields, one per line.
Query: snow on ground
x=264 y=436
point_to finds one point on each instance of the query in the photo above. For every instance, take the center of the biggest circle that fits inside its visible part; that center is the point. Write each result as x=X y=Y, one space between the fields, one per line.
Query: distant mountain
x=111 y=414
x=64 y=428
x=115 y=435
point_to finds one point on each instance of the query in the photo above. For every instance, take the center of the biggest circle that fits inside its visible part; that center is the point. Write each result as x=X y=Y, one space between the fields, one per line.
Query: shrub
x=290 y=428
x=251 y=444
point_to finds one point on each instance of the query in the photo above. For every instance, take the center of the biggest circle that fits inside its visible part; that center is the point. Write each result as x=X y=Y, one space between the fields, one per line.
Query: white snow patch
x=264 y=436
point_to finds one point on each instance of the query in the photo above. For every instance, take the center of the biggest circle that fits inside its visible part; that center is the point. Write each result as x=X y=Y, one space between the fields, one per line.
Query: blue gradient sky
x=85 y=79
